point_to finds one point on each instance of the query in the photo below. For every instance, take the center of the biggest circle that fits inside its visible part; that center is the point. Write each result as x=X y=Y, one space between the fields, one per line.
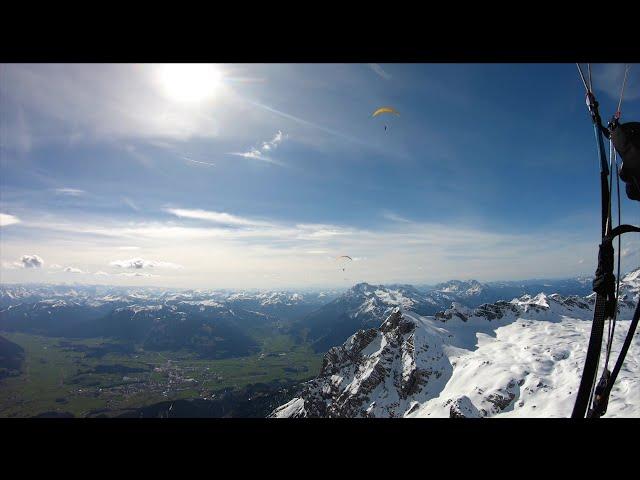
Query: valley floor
x=89 y=377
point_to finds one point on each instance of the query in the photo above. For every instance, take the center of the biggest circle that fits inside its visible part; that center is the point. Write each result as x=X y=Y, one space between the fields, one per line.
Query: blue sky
x=215 y=176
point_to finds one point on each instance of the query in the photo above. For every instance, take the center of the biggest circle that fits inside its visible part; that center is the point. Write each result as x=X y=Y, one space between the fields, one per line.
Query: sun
x=190 y=82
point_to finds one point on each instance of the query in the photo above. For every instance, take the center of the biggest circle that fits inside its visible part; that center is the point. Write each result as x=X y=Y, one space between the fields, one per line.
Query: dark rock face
x=462 y=407
x=449 y=314
x=495 y=311
x=377 y=372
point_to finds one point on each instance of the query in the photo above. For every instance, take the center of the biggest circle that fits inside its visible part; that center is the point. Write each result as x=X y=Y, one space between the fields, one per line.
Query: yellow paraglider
x=382 y=110
x=385 y=110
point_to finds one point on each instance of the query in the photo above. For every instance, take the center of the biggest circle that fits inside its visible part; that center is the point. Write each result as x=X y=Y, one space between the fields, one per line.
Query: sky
x=260 y=175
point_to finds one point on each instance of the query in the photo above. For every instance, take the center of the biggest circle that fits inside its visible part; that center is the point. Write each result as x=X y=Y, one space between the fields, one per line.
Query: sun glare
x=190 y=82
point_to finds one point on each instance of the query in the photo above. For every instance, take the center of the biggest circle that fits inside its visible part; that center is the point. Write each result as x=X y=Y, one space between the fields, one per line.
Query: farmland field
x=99 y=376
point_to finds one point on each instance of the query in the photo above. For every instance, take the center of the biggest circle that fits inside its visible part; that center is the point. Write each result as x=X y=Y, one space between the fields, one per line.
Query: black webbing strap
x=604 y=286
x=601 y=399
x=591 y=362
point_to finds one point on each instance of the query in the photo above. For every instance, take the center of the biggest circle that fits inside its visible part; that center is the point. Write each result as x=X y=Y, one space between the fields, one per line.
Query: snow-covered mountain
x=460 y=288
x=362 y=306
x=365 y=306
x=214 y=324
x=517 y=358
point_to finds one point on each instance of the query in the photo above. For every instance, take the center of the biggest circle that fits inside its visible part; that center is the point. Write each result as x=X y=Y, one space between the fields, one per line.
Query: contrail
x=260 y=158
x=196 y=161
x=306 y=122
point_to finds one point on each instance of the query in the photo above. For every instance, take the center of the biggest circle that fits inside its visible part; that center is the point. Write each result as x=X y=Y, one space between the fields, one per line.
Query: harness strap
x=601 y=400
x=604 y=285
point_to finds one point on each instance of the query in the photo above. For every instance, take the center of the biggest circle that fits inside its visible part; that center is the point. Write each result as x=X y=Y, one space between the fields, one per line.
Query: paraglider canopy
x=382 y=110
x=343 y=260
x=388 y=110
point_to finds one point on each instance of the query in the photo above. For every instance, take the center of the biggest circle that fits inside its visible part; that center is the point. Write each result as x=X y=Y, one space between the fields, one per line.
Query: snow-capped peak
x=522 y=357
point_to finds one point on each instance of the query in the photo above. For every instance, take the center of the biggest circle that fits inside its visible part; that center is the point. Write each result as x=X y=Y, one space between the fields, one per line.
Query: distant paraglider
x=343 y=260
x=382 y=110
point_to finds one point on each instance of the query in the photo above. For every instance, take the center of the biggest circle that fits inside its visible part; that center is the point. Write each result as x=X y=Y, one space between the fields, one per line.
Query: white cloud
x=71 y=192
x=73 y=270
x=394 y=217
x=609 y=77
x=55 y=266
x=101 y=273
x=199 y=162
x=216 y=217
x=268 y=146
x=136 y=274
x=140 y=263
x=379 y=70
x=274 y=142
x=30 y=261
x=311 y=231
x=130 y=204
x=6 y=220
x=239 y=252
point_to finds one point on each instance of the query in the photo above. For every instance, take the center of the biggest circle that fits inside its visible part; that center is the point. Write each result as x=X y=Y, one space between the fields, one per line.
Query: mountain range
x=521 y=357
x=223 y=323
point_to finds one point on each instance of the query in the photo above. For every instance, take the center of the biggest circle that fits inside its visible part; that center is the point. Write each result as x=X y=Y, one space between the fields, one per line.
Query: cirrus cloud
x=71 y=192
x=259 y=153
x=136 y=274
x=216 y=217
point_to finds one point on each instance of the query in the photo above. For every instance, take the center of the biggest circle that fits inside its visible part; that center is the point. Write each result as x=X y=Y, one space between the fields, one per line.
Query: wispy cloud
x=380 y=71
x=140 y=263
x=308 y=123
x=73 y=270
x=394 y=217
x=136 y=274
x=6 y=220
x=216 y=217
x=315 y=231
x=71 y=192
x=609 y=77
x=260 y=153
x=274 y=142
x=129 y=203
x=240 y=249
x=199 y=162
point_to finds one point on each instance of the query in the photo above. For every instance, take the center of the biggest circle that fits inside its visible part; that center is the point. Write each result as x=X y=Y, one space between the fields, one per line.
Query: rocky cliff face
x=376 y=373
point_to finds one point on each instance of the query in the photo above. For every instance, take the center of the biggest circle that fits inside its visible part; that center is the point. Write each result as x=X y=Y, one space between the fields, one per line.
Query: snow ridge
x=518 y=358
